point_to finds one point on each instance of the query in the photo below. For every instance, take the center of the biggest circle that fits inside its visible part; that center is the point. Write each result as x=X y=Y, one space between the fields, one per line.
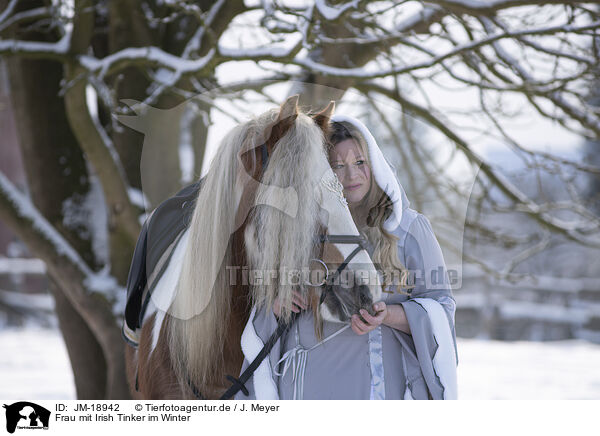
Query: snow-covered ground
x=558 y=370
x=34 y=365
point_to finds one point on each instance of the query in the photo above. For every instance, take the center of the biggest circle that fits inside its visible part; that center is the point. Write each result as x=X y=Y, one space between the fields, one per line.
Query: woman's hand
x=392 y=316
x=299 y=302
x=372 y=322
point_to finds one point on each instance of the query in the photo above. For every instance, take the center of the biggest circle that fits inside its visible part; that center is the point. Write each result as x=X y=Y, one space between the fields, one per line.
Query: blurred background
x=489 y=111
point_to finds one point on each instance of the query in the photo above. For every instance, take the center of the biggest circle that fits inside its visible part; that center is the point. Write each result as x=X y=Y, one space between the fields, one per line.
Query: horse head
x=278 y=244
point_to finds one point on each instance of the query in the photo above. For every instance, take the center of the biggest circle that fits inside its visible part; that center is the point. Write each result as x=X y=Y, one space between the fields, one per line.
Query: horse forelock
x=279 y=237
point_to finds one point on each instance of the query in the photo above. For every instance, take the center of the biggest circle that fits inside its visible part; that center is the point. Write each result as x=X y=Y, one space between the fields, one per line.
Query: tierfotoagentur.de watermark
x=438 y=278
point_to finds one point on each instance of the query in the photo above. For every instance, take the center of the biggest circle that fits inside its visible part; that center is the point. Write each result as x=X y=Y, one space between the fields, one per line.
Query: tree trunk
x=83 y=352
x=127 y=27
x=59 y=185
x=51 y=153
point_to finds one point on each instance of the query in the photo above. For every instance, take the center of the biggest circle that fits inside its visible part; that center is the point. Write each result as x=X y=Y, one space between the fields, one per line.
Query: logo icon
x=26 y=415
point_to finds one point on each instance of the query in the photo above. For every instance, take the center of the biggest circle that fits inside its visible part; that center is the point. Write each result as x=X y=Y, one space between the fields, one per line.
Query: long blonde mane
x=275 y=241
x=200 y=312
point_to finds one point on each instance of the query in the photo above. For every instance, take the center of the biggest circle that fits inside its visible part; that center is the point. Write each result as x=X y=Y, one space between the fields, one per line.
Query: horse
x=270 y=203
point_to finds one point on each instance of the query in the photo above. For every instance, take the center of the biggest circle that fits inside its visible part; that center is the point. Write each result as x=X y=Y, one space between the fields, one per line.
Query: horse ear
x=289 y=108
x=322 y=118
x=288 y=112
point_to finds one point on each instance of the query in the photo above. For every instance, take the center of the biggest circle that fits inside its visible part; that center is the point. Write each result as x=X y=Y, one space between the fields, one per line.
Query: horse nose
x=365 y=299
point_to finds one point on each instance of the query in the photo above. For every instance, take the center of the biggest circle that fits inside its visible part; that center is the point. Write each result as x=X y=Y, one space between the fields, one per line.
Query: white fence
x=536 y=308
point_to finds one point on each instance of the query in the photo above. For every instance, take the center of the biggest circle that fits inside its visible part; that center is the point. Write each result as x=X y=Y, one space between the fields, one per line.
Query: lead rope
x=296 y=358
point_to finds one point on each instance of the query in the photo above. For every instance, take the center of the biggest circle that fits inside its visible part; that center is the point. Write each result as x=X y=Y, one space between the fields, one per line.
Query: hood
x=383 y=172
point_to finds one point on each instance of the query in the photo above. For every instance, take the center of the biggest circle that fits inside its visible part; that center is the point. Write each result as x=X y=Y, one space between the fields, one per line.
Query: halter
x=361 y=244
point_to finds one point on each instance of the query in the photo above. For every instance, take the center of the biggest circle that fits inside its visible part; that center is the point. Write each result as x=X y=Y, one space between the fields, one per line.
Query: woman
x=408 y=350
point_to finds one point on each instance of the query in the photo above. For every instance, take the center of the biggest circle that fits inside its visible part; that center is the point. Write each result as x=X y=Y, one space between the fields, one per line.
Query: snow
x=270 y=51
x=496 y=370
x=35 y=302
x=34 y=366
x=21 y=266
x=331 y=13
x=146 y=55
x=101 y=281
x=28 y=211
x=47 y=49
x=137 y=197
x=8 y=11
x=186 y=148
x=76 y=216
x=98 y=219
x=477 y=4
x=544 y=312
x=107 y=285
x=91 y=98
x=163 y=75
x=422 y=15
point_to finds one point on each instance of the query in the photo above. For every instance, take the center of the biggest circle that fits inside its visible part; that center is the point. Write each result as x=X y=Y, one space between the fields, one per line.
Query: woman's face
x=350 y=165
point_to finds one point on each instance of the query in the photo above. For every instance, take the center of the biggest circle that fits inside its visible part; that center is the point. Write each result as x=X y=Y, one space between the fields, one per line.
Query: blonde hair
x=377 y=206
x=274 y=240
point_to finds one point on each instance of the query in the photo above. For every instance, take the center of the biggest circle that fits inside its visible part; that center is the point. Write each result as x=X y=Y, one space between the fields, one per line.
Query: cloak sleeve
x=430 y=311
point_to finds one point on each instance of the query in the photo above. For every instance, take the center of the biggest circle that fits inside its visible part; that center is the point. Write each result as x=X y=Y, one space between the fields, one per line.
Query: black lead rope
x=264 y=156
x=196 y=392
x=240 y=383
x=343 y=239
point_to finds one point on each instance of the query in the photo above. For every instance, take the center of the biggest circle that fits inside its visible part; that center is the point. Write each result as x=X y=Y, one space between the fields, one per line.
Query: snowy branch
x=573 y=231
x=8 y=11
x=144 y=57
x=361 y=73
x=334 y=13
x=46 y=243
x=37 y=50
x=488 y=7
x=29 y=15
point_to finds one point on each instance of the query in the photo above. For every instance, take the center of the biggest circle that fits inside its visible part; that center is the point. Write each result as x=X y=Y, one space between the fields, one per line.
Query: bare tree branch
x=49 y=245
x=571 y=230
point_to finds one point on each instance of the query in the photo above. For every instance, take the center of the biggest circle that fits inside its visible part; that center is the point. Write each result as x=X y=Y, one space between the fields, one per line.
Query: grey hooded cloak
x=386 y=363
